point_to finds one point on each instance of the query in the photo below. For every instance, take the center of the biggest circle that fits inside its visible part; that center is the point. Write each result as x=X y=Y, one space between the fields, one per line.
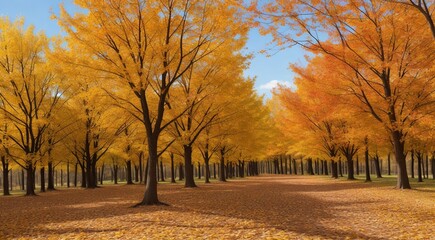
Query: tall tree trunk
x=181 y=172
x=102 y=175
x=42 y=173
x=295 y=167
x=67 y=175
x=310 y=169
x=402 y=178
x=129 y=175
x=389 y=163
x=302 y=166
x=412 y=163
x=50 y=176
x=162 y=175
x=433 y=165
x=334 y=167
x=340 y=168
x=84 y=183
x=150 y=196
x=377 y=166
x=30 y=180
x=350 y=173
x=172 y=169
x=5 y=166
x=366 y=155
x=222 y=166
x=136 y=173
x=75 y=174
x=285 y=165
x=357 y=165
x=419 y=163
x=207 y=167
x=141 y=166
x=115 y=173
x=188 y=167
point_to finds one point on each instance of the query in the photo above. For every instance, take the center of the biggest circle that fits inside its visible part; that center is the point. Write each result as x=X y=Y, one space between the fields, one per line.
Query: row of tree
x=368 y=84
x=130 y=82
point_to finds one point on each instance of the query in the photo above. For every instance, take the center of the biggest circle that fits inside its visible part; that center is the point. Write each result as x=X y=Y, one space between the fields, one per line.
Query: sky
x=269 y=71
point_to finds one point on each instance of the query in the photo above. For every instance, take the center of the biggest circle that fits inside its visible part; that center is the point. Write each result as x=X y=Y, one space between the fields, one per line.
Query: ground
x=266 y=207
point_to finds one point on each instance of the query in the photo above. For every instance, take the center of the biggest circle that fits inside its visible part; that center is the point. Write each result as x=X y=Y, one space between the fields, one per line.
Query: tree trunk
x=340 y=168
x=350 y=173
x=136 y=173
x=334 y=169
x=115 y=174
x=150 y=196
x=377 y=166
x=84 y=183
x=419 y=163
x=302 y=166
x=75 y=174
x=402 y=178
x=42 y=173
x=366 y=154
x=181 y=172
x=357 y=165
x=222 y=167
x=129 y=175
x=207 y=169
x=389 y=163
x=433 y=165
x=310 y=169
x=172 y=169
x=5 y=166
x=199 y=170
x=102 y=175
x=162 y=176
x=412 y=163
x=188 y=167
x=50 y=176
x=295 y=167
x=30 y=183
x=141 y=167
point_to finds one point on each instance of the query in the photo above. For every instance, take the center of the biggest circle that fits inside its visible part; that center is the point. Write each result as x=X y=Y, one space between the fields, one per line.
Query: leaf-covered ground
x=267 y=207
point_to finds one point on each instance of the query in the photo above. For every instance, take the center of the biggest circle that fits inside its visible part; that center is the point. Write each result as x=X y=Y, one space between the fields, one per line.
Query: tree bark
x=402 y=178
x=188 y=167
x=334 y=168
x=366 y=154
x=129 y=175
x=42 y=173
x=50 y=176
x=5 y=166
x=162 y=176
x=30 y=180
x=295 y=167
x=412 y=163
x=150 y=195
x=377 y=166
x=222 y=166
x=419 y=163
x=181 y=172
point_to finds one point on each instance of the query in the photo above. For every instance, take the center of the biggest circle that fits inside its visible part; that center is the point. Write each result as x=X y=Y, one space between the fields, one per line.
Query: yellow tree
x=30 y=92
x=146 y=47
x=390 y=59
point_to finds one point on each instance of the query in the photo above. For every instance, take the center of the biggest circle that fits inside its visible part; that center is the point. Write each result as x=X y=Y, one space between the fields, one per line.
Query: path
x=276 y=207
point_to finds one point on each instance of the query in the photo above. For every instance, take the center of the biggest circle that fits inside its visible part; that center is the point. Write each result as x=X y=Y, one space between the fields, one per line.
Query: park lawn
x=265 y=207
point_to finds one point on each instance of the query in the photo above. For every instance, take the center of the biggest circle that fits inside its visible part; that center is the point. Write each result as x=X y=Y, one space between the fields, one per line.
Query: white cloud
x=274 y=83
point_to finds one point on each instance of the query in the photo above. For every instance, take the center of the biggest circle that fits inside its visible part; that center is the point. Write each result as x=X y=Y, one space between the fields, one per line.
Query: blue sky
x=268 y=70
